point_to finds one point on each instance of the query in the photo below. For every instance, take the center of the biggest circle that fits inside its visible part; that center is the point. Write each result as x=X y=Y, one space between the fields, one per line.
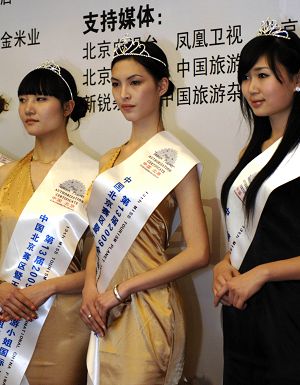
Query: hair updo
x=3 y=104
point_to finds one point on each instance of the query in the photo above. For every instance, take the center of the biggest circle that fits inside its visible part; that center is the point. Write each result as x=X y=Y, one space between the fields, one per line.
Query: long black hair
x=43 y=81
x=287 y=53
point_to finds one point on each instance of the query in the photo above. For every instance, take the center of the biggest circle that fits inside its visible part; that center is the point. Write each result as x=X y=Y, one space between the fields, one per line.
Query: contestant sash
x=121 y=202
x=4 y=159
x=240 y=234
x=42 y=246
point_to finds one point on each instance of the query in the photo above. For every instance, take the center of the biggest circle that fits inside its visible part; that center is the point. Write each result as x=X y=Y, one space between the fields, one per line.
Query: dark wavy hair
x=154 y=67
x=277 y=51
x=43 y=81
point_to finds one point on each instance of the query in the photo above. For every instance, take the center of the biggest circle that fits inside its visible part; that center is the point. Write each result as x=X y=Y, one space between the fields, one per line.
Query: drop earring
x=297 y=89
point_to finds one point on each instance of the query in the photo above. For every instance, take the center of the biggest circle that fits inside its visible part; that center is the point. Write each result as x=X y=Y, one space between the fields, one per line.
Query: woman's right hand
x=223 y=272
x=14 y=304
x=88 y=311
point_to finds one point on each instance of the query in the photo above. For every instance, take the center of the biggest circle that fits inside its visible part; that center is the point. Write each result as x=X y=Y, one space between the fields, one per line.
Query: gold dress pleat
x=144 y=344
x=60 y=353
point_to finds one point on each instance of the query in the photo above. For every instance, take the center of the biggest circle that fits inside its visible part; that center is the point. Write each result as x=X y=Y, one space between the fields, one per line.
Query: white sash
x=121 y=202
x=42 y=246
x=4 y=159
x=241 y=235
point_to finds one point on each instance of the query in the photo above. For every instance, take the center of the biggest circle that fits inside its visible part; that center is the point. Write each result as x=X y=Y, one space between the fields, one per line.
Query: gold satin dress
x=60 y=354
x=144 y=344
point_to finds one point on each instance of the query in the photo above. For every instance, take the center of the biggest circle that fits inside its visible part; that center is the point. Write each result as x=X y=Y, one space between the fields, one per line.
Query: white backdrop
x=202 y=39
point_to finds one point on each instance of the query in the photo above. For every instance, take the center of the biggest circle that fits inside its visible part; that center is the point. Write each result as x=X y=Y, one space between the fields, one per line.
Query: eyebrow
x=261 y=68
x=131 y=76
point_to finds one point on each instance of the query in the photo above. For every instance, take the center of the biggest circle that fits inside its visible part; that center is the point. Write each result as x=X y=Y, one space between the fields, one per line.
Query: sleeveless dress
x=262 y=342
x=59 y=356
x=144 y=344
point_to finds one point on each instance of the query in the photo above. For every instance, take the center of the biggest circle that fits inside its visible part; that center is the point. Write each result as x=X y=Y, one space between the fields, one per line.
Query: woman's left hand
x=37 y=294
x=242 y=287
x=95 y=308
x=104 y=303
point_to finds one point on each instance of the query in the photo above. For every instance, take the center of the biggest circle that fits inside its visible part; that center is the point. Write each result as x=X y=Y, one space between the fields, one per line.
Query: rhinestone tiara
x=129 y=47
x=272 y=28
x=52 y=66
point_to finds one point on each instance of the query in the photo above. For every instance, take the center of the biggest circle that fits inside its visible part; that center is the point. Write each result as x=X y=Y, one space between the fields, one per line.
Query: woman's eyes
x=115 y=84
x=135 y=82
x=262 y=75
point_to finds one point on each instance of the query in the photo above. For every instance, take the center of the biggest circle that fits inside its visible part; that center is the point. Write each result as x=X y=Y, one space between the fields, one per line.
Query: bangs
x=43 y=82
x=276 y=50
x=253 y=50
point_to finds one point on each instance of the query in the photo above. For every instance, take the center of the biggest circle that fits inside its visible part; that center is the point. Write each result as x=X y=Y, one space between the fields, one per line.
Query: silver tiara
x=129 y=47
x=271 y=28
x=52 y=66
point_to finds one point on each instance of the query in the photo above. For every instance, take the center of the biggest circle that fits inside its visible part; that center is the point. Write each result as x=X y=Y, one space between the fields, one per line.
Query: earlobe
x=297 y=88
x=69 y=107
x=163 y=86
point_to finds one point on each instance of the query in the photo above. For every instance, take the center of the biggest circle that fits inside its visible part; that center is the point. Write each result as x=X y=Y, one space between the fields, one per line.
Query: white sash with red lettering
x=121 y=202
x=42 y=246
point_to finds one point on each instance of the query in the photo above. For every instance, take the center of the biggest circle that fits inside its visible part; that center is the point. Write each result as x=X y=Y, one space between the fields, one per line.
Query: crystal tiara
x=129 y=47
x=271 y=28
x=52 y=66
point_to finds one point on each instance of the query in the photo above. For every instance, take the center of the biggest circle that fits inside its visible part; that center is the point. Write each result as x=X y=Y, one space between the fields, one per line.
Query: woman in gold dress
x=142 y=342
x=47 y=99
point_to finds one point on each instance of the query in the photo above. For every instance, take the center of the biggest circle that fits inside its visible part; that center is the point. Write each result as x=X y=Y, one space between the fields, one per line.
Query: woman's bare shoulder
x=5 y=170
x=241 y=153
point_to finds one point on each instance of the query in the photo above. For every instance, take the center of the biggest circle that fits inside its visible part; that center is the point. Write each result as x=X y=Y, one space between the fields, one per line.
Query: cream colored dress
x=60 y=353
x=145 y=341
